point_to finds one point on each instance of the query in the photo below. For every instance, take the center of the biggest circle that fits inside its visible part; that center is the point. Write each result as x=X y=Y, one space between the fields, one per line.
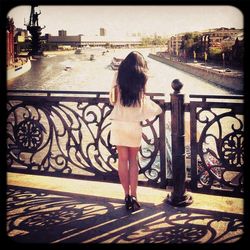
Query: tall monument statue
x=35 y=31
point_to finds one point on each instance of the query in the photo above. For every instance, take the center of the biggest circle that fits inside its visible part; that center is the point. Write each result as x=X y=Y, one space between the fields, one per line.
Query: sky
x=124 y=20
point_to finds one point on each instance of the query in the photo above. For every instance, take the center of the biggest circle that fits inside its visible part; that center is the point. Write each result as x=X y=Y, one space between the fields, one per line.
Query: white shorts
x=126 y=133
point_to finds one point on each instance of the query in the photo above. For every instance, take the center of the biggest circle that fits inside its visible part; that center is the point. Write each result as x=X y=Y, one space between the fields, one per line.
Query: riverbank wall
x=228 y=80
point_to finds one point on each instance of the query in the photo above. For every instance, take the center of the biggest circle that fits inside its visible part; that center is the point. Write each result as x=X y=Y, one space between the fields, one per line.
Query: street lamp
x=223 y=58
x=205 y=57
x=194 y=56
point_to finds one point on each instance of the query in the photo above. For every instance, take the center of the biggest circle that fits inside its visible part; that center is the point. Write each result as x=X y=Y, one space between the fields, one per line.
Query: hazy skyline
x=127 y=19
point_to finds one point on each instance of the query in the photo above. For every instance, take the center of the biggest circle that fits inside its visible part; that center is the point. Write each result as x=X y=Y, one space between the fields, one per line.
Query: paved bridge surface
x=55 y=210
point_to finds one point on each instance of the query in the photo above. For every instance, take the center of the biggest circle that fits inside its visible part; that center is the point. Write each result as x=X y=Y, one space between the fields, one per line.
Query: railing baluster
x=178 y=197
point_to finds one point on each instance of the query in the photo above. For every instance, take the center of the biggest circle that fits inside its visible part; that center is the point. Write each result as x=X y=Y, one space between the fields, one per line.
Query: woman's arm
x=113 y=92
x=150 y=109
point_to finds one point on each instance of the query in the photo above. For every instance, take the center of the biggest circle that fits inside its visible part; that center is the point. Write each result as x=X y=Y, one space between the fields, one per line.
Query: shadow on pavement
x=38 y=216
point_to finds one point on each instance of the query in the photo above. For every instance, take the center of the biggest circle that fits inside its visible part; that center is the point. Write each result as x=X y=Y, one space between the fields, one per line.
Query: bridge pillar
x=179 y=196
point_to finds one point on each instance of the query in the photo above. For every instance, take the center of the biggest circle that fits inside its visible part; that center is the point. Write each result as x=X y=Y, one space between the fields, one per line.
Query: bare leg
x=123 y=168
x=133 y=169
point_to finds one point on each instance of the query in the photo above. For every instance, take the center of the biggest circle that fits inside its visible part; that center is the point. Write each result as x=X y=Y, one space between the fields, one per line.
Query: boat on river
x=116 y=63
x=18 y=68
x=67 y=68
x=79 y=51
x=92 y=57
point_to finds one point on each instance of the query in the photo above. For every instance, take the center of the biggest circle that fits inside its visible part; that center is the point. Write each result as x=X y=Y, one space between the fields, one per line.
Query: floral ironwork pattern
x=28 y=134
x=68 y=135
x=220 y=148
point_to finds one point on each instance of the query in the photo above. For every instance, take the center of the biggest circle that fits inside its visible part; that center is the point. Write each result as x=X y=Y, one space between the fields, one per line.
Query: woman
x=131 y=107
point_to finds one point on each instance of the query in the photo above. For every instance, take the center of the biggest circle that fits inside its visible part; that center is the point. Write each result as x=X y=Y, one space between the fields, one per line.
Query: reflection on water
x=76 y=72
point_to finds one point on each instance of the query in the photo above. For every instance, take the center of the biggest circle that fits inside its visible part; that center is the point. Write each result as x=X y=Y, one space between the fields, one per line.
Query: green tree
x=238 y=52
x=156 y=40
x=191 y=42
x=146 y=41
x=215 y=53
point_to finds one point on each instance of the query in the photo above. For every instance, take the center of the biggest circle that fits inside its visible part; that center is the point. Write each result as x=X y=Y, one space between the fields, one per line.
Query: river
x=70 y=71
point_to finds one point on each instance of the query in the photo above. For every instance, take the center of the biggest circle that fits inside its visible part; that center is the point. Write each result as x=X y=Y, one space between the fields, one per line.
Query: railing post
x=178 y=197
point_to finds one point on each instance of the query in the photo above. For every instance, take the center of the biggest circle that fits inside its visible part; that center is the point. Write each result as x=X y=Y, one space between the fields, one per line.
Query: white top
x=148 y=108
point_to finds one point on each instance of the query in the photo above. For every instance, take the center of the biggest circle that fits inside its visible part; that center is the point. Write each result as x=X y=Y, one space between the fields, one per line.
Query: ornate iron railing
x=67 y=134
x=217 y=144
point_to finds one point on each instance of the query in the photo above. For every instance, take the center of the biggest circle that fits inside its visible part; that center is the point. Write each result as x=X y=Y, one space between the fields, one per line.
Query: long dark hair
x=132 y=78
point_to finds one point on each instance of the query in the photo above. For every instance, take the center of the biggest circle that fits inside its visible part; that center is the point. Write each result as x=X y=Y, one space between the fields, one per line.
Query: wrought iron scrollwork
x=149 y=151
x=220 y=149
x=62 y=136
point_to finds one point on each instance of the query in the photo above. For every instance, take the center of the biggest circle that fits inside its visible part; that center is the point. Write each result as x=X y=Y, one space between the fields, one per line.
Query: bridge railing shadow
x=47 y=216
